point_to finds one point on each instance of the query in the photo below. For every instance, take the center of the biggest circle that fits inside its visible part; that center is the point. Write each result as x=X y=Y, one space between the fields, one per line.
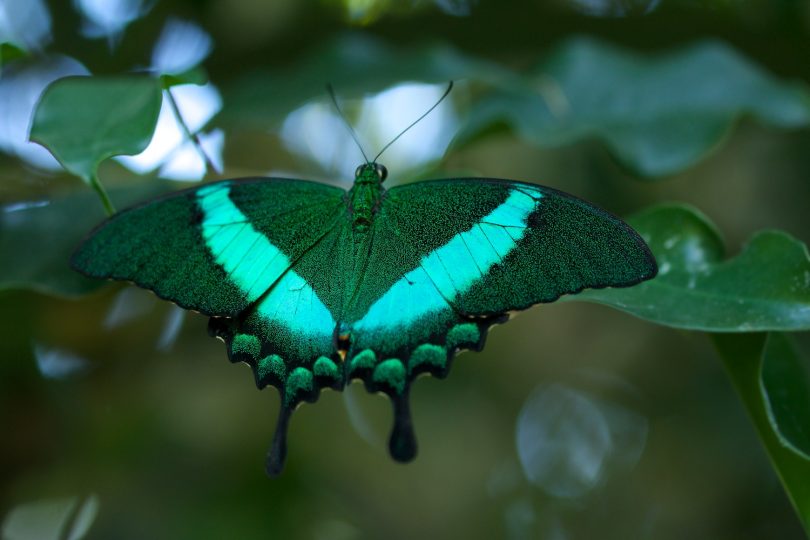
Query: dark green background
x=172 y=442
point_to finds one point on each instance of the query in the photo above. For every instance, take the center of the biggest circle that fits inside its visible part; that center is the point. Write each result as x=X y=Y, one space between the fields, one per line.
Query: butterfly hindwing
x=292 y=327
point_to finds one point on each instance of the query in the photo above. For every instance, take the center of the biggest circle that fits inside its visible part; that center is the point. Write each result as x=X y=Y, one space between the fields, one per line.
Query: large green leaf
x=657 y=113
x=85 y=120
x=765 y=287
x=37 y=239
x=745 y=356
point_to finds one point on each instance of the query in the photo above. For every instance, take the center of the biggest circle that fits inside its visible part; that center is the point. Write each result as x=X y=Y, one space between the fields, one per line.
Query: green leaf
x=57 y=226
x=657 y=113
x=785 y=384
x=743 y=356
x=85 y=120
x=765 y=287
x=355 y=65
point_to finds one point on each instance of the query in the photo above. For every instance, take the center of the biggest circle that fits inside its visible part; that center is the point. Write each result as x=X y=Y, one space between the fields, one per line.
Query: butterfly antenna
x=343 y=117
x=427 y=112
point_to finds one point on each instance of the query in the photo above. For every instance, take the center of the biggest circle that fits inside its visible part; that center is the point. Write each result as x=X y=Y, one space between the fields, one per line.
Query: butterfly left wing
x=247 y=253
x=450 y=258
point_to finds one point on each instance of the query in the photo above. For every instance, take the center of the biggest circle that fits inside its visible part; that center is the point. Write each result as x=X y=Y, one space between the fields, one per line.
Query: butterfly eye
x=358 y=171
x=381 y=171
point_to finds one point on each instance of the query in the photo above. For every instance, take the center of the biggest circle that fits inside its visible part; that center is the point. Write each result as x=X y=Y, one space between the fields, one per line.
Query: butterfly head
x=370 y=173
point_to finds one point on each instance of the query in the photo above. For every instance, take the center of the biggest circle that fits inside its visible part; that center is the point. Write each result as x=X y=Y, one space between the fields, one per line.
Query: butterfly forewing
x=471 y=249
x=214 y=249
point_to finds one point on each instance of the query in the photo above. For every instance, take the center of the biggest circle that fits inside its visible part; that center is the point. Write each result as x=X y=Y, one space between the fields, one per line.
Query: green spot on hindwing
x=463 y=336
x=299 y=382
x=271 y=367
x=390 y=373
x=325 y=367
x=429 y=356
x=365 y=359
x=246 y=344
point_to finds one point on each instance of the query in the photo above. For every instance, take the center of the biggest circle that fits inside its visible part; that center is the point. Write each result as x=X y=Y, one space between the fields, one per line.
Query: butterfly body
x=314 y=286
x=365 y=197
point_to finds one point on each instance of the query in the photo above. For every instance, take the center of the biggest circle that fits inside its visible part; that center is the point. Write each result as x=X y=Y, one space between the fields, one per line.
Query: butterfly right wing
x=452 y=257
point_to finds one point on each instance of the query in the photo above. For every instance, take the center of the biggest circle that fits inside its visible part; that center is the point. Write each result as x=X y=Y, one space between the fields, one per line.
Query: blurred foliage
x=635 y=108
x=657 y=113
x=58 y=519
x=33 y=223
x=355 y=64
x=588 y=96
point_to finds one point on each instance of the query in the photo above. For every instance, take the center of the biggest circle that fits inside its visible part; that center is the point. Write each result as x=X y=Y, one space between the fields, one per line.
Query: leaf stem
x=742 y=357
x=193 y=137
x=102 y=193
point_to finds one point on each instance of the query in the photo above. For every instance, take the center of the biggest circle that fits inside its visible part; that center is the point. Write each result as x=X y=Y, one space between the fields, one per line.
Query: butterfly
x=314 y=286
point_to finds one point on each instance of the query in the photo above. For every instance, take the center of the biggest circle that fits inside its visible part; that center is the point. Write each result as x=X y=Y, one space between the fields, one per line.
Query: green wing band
x=449 y=271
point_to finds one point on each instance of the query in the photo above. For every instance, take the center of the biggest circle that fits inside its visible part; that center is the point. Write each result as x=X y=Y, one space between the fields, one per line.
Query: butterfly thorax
x=365 y=195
